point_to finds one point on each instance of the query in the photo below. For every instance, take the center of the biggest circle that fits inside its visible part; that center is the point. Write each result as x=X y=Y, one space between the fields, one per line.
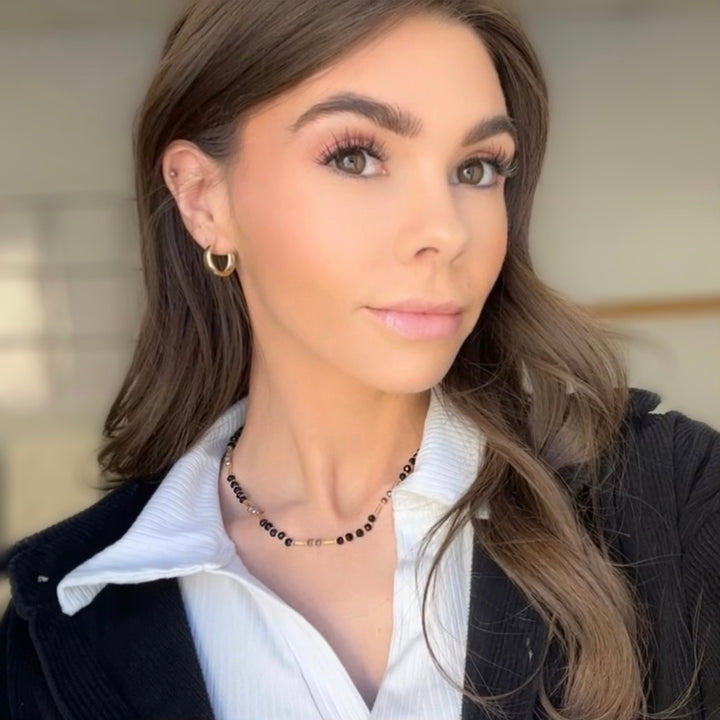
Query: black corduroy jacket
x=129 y=655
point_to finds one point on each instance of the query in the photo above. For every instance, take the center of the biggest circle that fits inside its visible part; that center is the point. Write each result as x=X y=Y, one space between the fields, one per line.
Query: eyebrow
x=398 y=120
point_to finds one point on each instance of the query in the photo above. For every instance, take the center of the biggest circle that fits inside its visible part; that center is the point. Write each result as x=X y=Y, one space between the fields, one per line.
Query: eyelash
x=497 y=157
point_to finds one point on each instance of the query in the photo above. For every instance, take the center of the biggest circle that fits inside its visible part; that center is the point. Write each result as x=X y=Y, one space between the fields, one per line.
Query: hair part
x=537 y=375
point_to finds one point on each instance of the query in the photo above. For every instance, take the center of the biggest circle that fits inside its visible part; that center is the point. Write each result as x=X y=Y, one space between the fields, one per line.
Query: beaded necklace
x=281 y=535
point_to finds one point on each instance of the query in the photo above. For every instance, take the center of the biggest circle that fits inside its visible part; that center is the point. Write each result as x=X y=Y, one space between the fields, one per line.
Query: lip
x=419 y=325
x=418 y=305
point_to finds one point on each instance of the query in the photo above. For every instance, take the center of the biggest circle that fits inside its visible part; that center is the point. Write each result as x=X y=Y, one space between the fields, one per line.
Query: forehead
x=422 y=63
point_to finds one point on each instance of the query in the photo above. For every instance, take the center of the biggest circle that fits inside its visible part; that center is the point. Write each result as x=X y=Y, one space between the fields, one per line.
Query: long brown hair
x=542 y=380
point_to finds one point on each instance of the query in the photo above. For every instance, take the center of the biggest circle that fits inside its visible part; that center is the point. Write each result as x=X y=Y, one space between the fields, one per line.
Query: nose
x=434 y=219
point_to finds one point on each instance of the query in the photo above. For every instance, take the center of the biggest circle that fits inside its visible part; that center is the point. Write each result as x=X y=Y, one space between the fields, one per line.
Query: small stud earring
x=173 y=173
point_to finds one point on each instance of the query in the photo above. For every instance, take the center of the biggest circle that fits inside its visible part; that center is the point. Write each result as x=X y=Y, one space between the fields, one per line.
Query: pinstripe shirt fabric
x=234 y=617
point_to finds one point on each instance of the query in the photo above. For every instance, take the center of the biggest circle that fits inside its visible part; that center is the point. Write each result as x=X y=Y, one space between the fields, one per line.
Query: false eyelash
x=504 y=165
x=353 y=142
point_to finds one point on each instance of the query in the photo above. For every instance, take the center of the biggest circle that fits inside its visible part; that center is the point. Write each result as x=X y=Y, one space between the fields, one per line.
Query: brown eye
x=349 y=155
x=351 y=160
x=475 y=172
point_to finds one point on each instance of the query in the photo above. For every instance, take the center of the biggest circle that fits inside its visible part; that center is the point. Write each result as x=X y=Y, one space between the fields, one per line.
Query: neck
x=330 y=455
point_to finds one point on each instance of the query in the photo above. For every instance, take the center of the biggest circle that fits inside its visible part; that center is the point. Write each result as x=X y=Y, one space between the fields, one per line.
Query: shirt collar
x=450 y=454
x=180 y=530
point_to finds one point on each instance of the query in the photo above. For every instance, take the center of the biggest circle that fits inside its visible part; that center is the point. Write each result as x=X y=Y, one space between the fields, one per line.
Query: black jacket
x=130 y=654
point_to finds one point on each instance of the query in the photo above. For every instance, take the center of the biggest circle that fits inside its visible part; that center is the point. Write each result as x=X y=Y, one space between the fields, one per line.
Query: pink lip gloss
x=420 y=326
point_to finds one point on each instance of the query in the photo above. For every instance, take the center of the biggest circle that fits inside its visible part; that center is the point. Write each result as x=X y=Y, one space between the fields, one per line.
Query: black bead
x=348 y=536
x=281 y=534
x=273 y=532
x=359 y=532
x=288 y=541
x=407 y=469
x=372 y=518
x=340 y=540
x=263 y=523
x=368 y=527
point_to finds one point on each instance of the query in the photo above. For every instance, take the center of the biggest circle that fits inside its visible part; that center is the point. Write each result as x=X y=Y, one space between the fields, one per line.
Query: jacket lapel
x=507 y=636
x=505 y=641
x=127 y=655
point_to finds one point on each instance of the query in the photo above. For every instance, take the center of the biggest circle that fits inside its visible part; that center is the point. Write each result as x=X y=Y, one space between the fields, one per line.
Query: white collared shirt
x=261 y=659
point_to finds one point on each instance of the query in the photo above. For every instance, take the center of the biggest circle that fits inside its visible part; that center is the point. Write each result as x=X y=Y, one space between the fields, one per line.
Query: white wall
x=68 y=99
x=629 y=202
x=69 y=267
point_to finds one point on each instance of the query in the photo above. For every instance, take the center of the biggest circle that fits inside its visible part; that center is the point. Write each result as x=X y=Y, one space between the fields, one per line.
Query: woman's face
x=404 y=215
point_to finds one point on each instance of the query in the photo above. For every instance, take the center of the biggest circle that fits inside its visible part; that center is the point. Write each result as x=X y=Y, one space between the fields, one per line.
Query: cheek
x=499 y=242
x=298 y=252
x=490 y=241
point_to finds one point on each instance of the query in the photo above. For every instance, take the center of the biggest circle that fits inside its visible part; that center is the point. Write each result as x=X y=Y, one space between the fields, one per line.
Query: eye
x=482 y=172
x=490 y=168
x=347 y=155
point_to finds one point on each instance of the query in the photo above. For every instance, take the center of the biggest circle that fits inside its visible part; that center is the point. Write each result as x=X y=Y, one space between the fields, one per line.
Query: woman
x=366 y=464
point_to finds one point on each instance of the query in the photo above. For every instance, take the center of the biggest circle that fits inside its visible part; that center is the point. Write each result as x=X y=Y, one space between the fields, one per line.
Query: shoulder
x=35 y=563
x=659 y=482
x=681 y=454
x=670 y=529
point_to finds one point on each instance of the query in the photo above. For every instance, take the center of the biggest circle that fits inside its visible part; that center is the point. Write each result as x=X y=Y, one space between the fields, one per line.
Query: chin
x=408 y=377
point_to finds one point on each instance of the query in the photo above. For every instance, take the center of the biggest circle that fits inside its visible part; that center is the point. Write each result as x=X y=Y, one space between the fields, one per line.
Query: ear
x=198 y=185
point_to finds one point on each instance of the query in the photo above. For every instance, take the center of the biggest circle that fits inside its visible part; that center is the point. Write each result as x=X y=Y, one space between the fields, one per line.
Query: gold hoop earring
x=210 y=263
